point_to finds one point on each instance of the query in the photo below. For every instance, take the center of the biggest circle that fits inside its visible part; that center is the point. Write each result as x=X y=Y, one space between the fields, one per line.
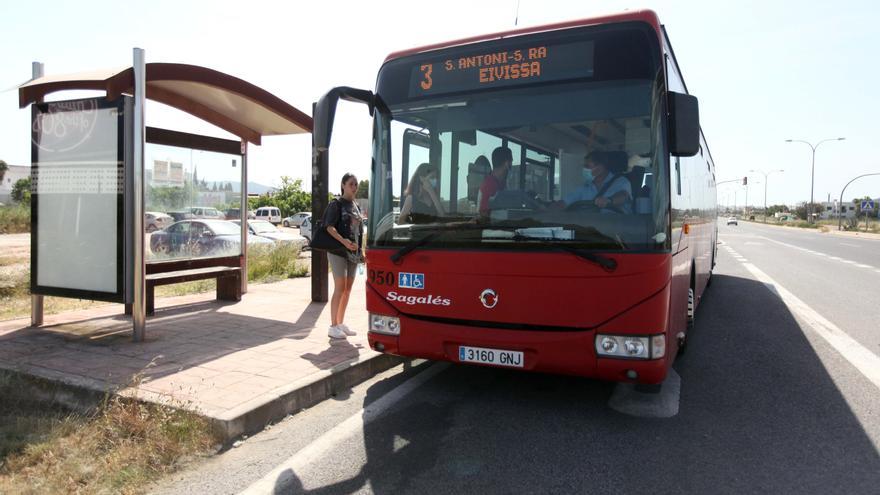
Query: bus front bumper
x=567 y=353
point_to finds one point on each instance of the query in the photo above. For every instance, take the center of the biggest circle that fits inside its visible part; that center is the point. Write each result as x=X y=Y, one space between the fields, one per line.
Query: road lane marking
x=321 y=446
x=850 y=245
x=835 y=258
x=859 y=356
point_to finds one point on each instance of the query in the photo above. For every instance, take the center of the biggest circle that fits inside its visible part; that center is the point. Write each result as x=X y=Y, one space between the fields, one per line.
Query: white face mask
x=588 y=174
x=433 y=182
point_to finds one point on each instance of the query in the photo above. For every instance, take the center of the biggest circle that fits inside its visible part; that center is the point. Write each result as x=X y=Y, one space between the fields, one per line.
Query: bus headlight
x=628 y=346
x=388 y=325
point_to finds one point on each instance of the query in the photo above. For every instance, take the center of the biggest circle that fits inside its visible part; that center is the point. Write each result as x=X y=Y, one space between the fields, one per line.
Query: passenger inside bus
x=477 y=173
x=605 y=188
x=421 y=202
x=502 y=159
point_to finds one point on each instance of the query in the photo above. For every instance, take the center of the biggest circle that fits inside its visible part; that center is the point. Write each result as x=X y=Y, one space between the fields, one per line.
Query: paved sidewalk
x=242 y=364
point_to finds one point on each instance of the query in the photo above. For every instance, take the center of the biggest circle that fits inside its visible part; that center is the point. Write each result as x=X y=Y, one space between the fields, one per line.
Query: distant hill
x=253 y=187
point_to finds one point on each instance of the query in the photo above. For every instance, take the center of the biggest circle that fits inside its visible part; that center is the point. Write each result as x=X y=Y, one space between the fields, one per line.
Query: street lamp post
x=812 y=169
x=766 y=174
x=840 y=203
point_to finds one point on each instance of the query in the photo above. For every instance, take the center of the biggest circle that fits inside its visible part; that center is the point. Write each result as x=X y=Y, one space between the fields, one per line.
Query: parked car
x=156 y=220
x=180 y=215
x=265 y=229
x=269 y=213
x=235 y=214
x=731 y=220
x=296 y=219
x=203 y=237
x=305 y=228
x=207 y=212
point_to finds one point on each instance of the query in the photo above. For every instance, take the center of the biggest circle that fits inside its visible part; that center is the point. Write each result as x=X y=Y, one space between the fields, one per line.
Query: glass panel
x=544 y=197
x=190 y=198
x=78 y=185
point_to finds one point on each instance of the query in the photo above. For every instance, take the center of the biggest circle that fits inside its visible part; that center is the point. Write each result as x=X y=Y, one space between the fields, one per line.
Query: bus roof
x=648 y=16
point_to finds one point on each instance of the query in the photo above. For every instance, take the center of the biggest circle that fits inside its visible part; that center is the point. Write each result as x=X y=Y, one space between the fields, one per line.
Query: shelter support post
x=37 y=70
x=244 y=217
x=138 y=307
x=320 y=177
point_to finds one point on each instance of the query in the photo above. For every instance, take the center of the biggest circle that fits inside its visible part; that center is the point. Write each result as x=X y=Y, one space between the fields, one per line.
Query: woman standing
x=344 y=223
x=421 y=202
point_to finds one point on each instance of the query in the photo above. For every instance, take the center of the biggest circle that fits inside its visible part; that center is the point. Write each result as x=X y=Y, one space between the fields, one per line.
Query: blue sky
x=763 y=71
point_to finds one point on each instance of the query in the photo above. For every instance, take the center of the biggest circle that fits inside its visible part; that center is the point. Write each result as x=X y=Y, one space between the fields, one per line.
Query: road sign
x=867 y=205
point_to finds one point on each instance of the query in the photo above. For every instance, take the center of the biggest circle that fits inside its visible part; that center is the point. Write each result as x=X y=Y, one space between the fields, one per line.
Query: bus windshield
x=508 y=166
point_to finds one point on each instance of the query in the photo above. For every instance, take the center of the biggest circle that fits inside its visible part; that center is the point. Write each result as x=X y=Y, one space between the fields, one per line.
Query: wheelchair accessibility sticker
x=411 y=280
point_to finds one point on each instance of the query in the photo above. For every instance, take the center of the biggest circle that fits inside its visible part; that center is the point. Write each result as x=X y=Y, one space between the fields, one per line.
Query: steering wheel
x=583 y=205
x=589 y=205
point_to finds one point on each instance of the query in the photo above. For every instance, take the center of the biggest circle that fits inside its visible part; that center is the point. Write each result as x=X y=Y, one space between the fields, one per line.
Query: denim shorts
x=341 y=266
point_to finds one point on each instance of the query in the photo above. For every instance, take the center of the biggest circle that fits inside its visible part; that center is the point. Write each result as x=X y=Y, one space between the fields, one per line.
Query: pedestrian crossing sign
x=867 y=205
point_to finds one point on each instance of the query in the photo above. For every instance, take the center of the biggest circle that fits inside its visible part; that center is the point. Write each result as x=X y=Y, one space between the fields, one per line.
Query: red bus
x=551 y=271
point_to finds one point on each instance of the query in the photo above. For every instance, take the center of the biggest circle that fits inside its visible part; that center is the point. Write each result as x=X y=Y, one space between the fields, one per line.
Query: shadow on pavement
x=758 y=413
x=178 y=338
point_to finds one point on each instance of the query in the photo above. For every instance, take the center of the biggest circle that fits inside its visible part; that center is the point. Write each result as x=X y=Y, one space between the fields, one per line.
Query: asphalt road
x=767 y=404
x=838 y=276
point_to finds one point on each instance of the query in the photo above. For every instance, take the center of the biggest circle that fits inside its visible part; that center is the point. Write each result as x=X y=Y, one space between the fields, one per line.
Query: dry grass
x=15 y=219
x=120 y=447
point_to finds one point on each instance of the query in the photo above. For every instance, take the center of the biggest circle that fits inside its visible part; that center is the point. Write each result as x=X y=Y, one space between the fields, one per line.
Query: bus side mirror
x=325 y=112
x=684 y=125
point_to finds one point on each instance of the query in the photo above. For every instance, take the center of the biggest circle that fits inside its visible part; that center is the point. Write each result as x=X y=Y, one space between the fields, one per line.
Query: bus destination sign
x=523 y=64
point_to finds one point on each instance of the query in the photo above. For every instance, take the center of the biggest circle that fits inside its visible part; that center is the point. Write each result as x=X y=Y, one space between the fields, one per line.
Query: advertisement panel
x=77 y=192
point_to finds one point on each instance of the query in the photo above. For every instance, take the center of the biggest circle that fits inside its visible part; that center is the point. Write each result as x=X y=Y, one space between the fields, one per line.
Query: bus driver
x=607 y=190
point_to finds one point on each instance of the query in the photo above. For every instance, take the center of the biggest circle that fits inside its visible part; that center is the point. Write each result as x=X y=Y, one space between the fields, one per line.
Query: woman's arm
x=405 y=210
x=350 y=245
x=436 y=200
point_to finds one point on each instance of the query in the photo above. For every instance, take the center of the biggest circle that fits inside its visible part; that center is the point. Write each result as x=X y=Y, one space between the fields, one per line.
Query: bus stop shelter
x=232 y=104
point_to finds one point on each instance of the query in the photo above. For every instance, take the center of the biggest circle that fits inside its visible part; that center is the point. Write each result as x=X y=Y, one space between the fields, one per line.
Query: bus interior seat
x=477 y=171
x=641 y=193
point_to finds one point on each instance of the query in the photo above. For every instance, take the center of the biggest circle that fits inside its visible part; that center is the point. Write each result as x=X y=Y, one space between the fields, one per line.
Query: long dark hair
x=348 y=175
x=415 y=184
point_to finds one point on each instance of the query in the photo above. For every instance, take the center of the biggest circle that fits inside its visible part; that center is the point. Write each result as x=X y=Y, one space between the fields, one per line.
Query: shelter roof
x=228 y=102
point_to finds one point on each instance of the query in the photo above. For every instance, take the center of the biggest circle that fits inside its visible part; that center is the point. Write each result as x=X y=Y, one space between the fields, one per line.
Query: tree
x=289 y=197
x=363 y=189
x=3 y=168
x=21 y=190
x=801 y=210
x=772 y=210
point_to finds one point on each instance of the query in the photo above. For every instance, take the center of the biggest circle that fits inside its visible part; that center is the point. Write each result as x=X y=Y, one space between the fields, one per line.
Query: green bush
x=15 y=219
x=21 y=191
x=270 y=263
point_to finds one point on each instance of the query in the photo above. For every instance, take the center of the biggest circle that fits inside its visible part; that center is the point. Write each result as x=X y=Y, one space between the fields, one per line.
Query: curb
x=253 y=416
x=55 y=388
x=246 y=419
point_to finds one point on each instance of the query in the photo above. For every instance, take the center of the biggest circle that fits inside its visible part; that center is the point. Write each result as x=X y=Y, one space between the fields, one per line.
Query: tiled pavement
x=222 y=359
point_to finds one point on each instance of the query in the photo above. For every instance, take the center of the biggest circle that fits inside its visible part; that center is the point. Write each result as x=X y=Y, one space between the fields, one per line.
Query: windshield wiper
x=435 y=232
x=608 y=264
x=412 y=246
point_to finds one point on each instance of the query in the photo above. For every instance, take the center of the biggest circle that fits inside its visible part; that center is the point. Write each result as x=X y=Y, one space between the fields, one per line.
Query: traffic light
x=745 y=181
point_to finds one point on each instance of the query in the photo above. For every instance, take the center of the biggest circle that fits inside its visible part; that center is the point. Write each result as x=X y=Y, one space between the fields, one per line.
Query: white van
x=269 y=213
